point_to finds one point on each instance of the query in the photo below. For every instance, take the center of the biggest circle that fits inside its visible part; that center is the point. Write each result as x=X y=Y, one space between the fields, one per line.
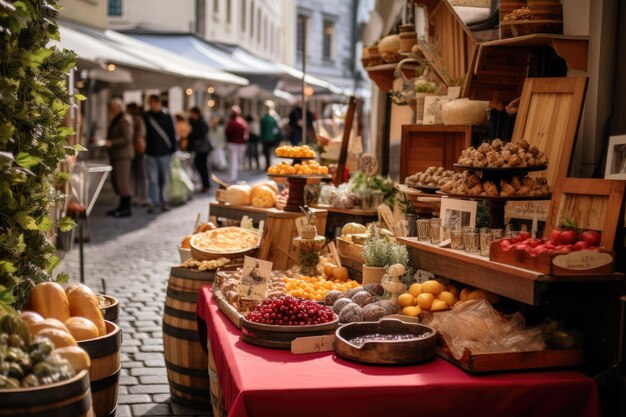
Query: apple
x=591 y=237
x=555 y=236
x=581 y=245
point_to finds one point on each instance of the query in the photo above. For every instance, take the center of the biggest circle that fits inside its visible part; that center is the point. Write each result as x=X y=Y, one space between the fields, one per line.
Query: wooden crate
x=574 y=263
x=594 y=204
x=513 y=361
x=423 y=146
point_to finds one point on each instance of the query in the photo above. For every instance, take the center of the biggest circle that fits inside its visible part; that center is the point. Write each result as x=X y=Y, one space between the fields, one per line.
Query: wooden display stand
x=279 y=230
x=431 y=145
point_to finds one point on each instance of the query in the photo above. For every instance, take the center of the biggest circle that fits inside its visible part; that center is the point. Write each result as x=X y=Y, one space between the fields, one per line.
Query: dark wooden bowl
x=392 y=352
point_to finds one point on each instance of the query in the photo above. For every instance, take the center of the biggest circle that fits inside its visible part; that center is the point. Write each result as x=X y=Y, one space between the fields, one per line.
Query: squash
x=84 y=303
x=49 y=300
x=47 y=324
x=75 y=355
x=263 y=196
x=30 y=318
x=81 y=328
x=58 y=337
x=238 y=195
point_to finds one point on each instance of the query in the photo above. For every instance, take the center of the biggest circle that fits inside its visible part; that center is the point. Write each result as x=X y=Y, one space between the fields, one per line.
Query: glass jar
x=423 y=229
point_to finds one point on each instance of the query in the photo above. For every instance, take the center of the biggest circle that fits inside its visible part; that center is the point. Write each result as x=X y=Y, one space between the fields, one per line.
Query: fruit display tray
x=280 y=337
x=585 y=262
x=512 y=361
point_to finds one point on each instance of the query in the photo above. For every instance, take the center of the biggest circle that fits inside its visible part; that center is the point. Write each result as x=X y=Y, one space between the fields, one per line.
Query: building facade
x=256 y=25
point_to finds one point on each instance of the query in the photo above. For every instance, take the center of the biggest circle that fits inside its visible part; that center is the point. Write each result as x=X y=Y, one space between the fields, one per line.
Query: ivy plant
x=33 y=103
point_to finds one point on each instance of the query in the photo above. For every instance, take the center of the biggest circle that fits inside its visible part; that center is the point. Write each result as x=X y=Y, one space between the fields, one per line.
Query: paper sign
x=254 y=278
x=582 y=260
x=334 y=253
x=313 y=344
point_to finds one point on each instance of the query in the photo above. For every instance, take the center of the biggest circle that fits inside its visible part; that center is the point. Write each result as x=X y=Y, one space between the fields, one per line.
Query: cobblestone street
x=133 y=256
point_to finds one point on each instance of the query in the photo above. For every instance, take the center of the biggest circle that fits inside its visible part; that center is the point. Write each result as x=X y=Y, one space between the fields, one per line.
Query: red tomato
x=569 y=237
x=591 y=237
x=555 y=236
x=581 y=245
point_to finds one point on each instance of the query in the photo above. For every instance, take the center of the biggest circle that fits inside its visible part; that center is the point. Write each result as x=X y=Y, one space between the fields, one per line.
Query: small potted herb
x=378 y=253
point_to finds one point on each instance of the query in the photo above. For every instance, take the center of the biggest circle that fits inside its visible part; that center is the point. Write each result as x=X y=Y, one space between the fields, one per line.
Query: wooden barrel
x=217 y=396
x=185 y=360
x=71 y=398
x=112 y=310
x=104 y=372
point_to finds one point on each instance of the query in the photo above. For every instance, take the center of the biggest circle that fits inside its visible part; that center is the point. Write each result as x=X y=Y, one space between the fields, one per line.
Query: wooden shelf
x=502 y=65
x=517 y=283
x=383 y=75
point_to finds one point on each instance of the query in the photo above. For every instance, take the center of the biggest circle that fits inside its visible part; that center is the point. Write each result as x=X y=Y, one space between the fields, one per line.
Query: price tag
x=313 y=344
x=334 y=253
x=254 y=278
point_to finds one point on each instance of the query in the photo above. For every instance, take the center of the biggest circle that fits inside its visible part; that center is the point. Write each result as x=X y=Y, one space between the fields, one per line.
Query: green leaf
x=62 y=278
x=66 y=224
x=45 y=224
x=53 y=262
x=80 y=97
x=26 y=221
x=25 y=160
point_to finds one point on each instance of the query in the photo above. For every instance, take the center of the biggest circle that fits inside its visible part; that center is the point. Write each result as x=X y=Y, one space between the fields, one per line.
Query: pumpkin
x=30 y=318
x=84 y=303
x=49 y=300
x=75 y=355
x=263 y=196
x=58 y=337
x=238 y=194
x=81 y=328
x=47 y=324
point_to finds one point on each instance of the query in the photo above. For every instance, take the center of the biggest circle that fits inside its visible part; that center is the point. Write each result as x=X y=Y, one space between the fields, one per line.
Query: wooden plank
x=594 y=204
x=548 y=117
x=343 y=154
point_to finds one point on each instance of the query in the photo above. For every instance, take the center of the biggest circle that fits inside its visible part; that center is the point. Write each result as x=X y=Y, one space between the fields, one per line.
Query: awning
x=267 y=74
x=104 y=47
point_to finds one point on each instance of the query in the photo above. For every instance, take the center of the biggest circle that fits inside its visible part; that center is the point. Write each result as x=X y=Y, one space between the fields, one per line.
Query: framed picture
x=616 y=158
x=458 y=213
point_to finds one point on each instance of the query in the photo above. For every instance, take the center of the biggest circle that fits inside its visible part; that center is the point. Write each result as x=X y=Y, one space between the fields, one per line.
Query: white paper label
x=582 y=260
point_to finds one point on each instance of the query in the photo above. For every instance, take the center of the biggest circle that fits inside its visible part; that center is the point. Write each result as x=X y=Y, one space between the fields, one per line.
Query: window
x=228 y=11
x=243 y=15
x=252 y=19
x=327 y=43
x=302 y=23
x=200 y=15
x=115 y=7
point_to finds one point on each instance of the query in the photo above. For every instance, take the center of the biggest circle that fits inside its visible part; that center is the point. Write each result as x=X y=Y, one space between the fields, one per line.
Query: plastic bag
x=179 y=186
x=476 y=326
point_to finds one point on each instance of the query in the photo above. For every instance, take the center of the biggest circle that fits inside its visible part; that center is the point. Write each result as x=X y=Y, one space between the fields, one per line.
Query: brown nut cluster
x=431 y=177
x=501 y=155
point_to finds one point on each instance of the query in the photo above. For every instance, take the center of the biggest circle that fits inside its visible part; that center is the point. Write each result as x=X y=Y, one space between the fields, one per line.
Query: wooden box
x=585 y=262
x=513 y=361
x=423 y=146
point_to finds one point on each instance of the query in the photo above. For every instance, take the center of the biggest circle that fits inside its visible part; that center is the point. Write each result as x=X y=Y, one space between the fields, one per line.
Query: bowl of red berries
x=277 y=321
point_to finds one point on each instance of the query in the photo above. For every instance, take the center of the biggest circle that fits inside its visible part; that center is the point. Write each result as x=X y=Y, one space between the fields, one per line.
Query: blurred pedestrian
x=295 y=126
x=182 y=130
x=236 y=136
x=119 y=144
x=271 y=131
x=218 y=142
x=253 y=141
x=199 y=144
x=139 y=169
x=160 y=145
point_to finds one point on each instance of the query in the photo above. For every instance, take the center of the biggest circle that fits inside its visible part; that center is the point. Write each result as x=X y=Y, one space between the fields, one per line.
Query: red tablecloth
x=266 y=382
